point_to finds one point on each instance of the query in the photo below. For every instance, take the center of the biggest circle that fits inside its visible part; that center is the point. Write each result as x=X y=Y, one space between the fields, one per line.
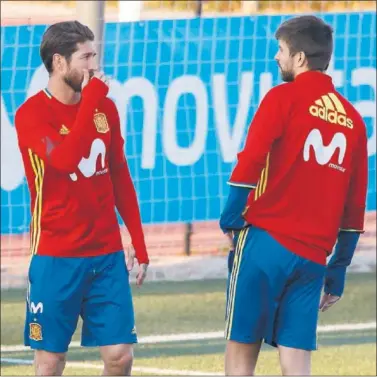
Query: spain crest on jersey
x=100 y=121
x=35 y=331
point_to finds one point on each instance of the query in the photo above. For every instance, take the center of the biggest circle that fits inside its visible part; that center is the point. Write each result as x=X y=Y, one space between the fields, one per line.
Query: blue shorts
x=273 y=294
x=62 y=289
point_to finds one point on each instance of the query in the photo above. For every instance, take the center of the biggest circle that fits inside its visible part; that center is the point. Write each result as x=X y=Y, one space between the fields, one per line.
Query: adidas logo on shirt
x=331 y=110
x=64 y=130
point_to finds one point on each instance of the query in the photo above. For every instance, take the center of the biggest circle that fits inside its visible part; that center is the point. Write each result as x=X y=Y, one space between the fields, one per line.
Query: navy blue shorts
x=62 y=289
x=273 y=294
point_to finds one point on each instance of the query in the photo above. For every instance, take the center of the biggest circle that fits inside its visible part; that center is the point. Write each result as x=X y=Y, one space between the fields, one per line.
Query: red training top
x=306 y=156
x=77 y=174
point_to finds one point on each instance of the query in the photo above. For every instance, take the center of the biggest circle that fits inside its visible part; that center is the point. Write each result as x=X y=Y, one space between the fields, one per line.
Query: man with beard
x=73 y=152
x=299 y=187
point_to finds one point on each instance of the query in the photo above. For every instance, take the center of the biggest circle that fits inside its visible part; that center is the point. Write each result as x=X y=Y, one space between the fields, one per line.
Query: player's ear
x=301 y=59
x=58 y=62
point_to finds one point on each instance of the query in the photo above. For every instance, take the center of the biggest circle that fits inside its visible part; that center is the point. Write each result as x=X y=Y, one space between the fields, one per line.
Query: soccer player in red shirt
x=299 y=187
x=73 y=152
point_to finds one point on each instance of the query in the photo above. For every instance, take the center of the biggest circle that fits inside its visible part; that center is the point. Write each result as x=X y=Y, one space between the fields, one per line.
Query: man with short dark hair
x=299 y=186
x=73 y=152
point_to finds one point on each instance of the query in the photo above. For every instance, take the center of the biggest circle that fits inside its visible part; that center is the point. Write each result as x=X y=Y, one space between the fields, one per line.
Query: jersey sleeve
x=354 y=211
x=266 y=127
x=34 y=131
x=117 y=157
x=124 y=191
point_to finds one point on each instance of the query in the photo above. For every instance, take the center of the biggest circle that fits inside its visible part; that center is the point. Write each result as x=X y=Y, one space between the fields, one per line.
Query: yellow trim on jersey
x=266 y=174
x=233 y=281
x=48 y=94
x=38 y=169
x=262 y=184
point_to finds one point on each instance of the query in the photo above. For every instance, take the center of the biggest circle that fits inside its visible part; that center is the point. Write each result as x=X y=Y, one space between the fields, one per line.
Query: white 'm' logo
x=323 y=154
x=87 y=166
x=36 y=308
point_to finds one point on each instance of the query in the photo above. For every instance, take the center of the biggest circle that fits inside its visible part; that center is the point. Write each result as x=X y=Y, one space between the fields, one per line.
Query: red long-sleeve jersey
x=306 y=156
x=77 y=175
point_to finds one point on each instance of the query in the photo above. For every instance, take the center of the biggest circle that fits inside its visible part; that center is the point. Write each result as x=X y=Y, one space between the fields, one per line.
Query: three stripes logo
x=64 y=130
x=38 y=169
x=331 y=110
x=233 y=281
x=262 y=184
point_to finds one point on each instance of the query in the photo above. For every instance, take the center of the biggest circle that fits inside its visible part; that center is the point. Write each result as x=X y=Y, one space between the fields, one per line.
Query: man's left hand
x=143 y=268
x=141 y=275
x=328 y=301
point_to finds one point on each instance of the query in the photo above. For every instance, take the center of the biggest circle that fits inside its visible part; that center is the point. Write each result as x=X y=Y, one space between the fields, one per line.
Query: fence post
x=92 y=14
x=199 y=8
x=188 y=233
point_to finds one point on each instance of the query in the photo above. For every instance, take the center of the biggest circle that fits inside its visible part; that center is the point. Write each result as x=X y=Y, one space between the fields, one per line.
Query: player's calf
x=117 y=359
x=49 y=363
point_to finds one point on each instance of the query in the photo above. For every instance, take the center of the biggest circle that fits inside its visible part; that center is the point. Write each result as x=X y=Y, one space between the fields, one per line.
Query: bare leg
x=117 y=359
x=241 y=358
x=49 y=363
x=294 y=362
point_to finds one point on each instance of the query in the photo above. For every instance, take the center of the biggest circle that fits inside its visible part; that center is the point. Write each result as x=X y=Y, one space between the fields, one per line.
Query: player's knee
x=120 y=362
x=294 y=370
x=241 y=358
x=294 y=362
x=49 y=364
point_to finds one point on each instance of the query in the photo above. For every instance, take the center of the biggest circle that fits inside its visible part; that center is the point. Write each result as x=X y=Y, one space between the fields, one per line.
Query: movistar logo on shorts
x=331 y=110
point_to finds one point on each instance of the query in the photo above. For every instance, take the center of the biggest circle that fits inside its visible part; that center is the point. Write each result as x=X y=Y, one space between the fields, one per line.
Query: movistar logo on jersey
x=88 y=166
x=324 y=153
x=331 y=110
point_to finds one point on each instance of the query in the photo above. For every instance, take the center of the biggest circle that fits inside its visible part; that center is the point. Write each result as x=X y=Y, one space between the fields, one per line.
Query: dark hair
x=62 y=38
x=311 y=35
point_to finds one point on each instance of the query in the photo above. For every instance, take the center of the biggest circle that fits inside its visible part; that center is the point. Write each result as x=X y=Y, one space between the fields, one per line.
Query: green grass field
x=176 y=308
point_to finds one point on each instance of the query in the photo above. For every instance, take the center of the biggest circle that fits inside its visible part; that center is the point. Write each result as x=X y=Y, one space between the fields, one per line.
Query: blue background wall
x=160 y=52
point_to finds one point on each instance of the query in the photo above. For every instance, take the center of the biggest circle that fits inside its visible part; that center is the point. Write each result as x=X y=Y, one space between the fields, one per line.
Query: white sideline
x=156 y=339
x=152 y=371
